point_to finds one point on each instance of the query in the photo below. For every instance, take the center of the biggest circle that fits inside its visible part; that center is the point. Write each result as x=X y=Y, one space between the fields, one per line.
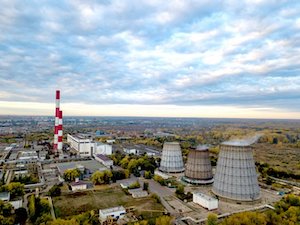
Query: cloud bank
x=182 y=52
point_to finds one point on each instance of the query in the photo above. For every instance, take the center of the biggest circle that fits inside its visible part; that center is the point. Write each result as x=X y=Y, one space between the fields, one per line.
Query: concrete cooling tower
x=171 y=160
x=236 y=177
x=198 y=167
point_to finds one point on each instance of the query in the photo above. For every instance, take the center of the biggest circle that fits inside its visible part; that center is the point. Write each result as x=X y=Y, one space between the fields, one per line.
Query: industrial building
x=171 y=160
x=116 y=213
x=236 y=177
x=86 y=147
x=205 y=201
x=104 y=160
x=78 y=185
x=198 y=168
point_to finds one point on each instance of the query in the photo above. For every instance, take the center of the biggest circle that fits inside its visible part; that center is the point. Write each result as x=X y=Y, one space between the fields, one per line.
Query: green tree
x=71 y=174
x=163 y=220
x=180 y=190
x=145 y=186
x=147 y=175
x=55 y=191
x=64 y=222
x=212 y=219
x=97 y=177
x=15 y=189
x=21 y=216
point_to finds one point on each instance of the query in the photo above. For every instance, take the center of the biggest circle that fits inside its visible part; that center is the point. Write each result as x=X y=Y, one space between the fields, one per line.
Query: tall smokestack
x=60 y=132
x=57 y=128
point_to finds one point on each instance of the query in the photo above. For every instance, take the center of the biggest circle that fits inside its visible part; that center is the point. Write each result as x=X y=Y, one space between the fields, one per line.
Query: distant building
x=138 y=193
x=116 y=213
x=111 y=141
x=103 y=149
x=5 y=196
x=205 y=201
x=28 y=156
x=78 y=185
x=104 y=160
x=131 y=151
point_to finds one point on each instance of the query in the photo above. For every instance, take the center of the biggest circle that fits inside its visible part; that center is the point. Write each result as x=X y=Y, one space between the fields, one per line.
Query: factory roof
x=206 y=197
x=103 y=157
x=78 y=183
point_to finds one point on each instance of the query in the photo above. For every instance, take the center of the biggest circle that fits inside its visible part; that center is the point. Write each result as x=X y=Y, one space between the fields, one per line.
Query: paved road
x=51 y=207
x=155 y=187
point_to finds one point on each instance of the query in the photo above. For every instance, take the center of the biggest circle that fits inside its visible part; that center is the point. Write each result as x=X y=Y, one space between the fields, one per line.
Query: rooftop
x=80 y=182
x=206 y=197
x=103 y=157
x=4 y=195
x=114 y=209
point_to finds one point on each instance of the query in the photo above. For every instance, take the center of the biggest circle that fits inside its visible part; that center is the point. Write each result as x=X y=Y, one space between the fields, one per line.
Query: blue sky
x=170 y=58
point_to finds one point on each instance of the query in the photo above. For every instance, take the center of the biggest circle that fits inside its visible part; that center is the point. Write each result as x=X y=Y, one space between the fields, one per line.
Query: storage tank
x=236 y=177
x=171 y=160
x=198 y=167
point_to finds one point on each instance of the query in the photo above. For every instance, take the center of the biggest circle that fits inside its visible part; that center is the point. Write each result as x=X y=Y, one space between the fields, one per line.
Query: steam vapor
x=243 y=142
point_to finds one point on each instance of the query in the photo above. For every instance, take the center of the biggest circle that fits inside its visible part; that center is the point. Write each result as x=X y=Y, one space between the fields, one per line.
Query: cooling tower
x=171 y=160
x=198 y=167
x=236 y=177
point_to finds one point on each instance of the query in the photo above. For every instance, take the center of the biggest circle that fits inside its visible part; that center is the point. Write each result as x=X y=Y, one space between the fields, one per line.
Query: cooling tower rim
x=243 y=145
x=201 y=148
x=171 y=143
x=235 y=199
x=197 y=181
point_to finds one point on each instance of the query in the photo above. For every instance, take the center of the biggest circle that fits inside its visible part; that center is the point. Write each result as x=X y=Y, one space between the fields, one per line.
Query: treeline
x=134 y=164
x=39 y=210
x=266 y=170
x=287 y=212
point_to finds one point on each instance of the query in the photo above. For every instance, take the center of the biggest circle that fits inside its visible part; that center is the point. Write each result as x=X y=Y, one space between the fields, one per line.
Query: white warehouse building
x=87 y=147
x=116 y=213
x=205 y=201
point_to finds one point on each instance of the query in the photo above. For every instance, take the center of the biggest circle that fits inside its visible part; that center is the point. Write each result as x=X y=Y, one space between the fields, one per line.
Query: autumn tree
x=212 y=219
x=71 y=174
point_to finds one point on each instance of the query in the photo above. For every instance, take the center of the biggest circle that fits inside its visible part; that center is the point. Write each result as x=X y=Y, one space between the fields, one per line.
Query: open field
x=282 y=157
x=75 y=203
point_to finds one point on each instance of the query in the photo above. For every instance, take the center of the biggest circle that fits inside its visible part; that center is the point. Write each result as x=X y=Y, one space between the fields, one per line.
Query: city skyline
x=238 y=59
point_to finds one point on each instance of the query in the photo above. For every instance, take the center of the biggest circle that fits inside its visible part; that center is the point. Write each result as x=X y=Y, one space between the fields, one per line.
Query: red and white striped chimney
x=57 y=144
x=60 y=132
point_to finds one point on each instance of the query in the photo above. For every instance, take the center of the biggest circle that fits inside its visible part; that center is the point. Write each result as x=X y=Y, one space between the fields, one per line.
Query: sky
x=179 y=58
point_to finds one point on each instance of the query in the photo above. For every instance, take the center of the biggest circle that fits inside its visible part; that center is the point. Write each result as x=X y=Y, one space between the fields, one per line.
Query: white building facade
x=116 y=213
x=84 y=146
x=205 y=201
x=87 y=147
x=103 y=149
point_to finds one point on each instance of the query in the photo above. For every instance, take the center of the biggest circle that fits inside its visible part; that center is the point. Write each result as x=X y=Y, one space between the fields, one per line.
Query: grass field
x=76 y=203
x=283 y=157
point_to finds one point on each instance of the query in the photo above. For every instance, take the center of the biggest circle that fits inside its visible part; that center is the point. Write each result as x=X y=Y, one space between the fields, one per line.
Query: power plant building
x=198 y=168
x=86 y=147
x=171 y=160
x=236 y=177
